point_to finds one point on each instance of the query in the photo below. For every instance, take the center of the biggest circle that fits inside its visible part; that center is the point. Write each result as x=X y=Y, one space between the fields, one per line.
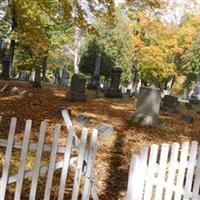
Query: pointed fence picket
x=86 y=157
x=165 y=173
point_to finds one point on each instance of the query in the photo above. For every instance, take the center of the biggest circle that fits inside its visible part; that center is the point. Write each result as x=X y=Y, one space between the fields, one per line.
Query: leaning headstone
x=170 y=103
x=23 y=76
x=24 y=93
x=64 y=77
x=59 y=111
x=5 y=88
x=113 y=91
x=77 y=89
x=187 y=119
x=82 y=119
x=104 y=129
x=14 y=91
x=148 y=107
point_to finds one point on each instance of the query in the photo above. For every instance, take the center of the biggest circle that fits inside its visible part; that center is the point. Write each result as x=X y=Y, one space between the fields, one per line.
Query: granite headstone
x=77 y=88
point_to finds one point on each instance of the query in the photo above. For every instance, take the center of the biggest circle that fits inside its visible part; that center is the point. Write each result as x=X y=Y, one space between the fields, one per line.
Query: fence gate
x=82 y=163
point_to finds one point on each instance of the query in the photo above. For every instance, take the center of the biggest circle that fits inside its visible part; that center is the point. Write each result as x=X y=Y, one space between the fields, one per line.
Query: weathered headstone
x=113 y=91
x=104 y=129
x=82 y=119
x=185 y=94
x=23 y=75
x=14 y=91
x=94 y=83
x=24 y=93
x=148 y=107
x=195 y=98
x=187 y=119
x=77 y=88
x=170 y=103
x=64 y=77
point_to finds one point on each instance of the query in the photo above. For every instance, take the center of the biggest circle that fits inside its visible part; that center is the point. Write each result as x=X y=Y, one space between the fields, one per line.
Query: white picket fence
x=85 y=156
x=165 y=172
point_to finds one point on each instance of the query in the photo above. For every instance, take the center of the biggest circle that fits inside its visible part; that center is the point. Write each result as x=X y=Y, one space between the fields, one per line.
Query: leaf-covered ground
x=114 y=152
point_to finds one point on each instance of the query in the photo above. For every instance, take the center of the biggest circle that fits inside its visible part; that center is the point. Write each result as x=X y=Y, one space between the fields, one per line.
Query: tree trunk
x=5 y=74
x=44 y=68
x=12 y=6
x=37 y=81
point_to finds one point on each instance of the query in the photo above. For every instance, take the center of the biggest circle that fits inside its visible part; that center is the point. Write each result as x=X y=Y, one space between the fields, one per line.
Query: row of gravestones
x=148 y=107
x=62 y=80
x=14 y=91
x=77 y=90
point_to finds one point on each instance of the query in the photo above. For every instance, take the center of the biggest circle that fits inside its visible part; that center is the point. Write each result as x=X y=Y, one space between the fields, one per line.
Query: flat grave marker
x=82 y=119
x=104 y=129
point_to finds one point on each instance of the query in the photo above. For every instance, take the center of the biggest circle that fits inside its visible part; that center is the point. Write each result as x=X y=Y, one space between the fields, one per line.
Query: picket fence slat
x=150 y=171
x=90 y=164
x=181 y=170
x=197 y=180
x=142 y=171
x=171 y=173
x=133 y=173
x=20 y=176
x=79 y=165
x=65 y=167
x=52 y=162
x=190 y=170
x=36 y=170
x=84 y=160
x=6 y=163
x=161 y=172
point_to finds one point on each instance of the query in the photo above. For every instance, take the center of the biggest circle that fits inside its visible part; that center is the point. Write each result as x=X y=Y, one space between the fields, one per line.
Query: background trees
x=40 y=36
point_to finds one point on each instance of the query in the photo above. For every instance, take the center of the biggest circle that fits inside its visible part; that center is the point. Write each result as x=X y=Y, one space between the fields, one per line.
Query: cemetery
x=99 y=100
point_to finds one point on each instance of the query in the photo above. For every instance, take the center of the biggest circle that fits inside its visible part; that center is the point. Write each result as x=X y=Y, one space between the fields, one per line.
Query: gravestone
x=185 y=94
x=148 y=107
x=170 y=103
x=104 y=129
x=14 y=91
x=195 y=98
x=24 y=93
x=94 y=83
x=77 y=89
x=64 y=76
x=187 y=119
x=23 y=75
x=82 y=119
x=113 y=91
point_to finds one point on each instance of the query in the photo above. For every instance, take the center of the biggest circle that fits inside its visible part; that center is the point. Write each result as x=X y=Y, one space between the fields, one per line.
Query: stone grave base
x=146 y=120
x=194 y=101
x=74 y=96
x=113 y=93
x=91 y=86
